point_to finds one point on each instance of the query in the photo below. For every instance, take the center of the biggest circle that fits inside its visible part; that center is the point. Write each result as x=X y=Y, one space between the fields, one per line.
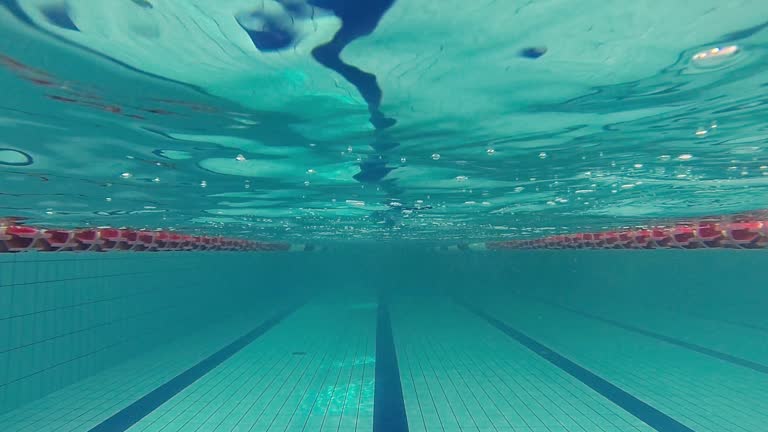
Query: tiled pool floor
x=523 y=364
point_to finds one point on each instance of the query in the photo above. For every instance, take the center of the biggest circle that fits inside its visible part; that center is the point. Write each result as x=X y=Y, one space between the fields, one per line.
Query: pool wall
x=67 y=316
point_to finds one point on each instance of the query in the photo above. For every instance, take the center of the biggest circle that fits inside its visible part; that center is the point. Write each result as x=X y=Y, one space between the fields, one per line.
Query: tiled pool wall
x=717 y=284
x=65 y=316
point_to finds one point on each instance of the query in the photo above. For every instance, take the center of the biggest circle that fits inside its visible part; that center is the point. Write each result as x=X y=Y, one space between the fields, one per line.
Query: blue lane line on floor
x=721 y=320
x=755 y=366
x=136 y=411
x=646 y=413
x=388 y=404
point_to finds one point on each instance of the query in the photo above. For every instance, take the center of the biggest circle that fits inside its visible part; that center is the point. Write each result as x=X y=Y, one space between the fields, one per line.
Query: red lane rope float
x=20 y=238
x=750 y=234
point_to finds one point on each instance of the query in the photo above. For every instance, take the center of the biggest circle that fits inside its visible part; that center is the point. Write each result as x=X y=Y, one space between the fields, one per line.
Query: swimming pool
x=316 y=215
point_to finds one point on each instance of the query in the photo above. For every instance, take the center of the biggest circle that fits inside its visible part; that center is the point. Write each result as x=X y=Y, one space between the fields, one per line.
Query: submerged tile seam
x=388 y=404
x=629 y=403
x=106 y=276
x=163 y=308
x=719 y=355
x=130 y=415
x=722 y=321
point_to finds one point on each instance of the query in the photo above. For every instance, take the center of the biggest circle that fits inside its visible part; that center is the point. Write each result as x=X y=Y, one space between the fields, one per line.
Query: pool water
x=327 y=215
x=384 y=339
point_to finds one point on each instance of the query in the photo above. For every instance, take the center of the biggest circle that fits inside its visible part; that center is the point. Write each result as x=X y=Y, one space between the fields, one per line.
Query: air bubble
x=14 y=157
x=716 y=52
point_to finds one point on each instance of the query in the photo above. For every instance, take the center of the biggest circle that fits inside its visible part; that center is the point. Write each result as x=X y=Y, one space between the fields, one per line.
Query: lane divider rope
x=746 y=234
x=21 y=238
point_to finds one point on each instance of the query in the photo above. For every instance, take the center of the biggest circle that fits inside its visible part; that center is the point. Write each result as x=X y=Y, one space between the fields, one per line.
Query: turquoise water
x=381 y=133
x=617 y=123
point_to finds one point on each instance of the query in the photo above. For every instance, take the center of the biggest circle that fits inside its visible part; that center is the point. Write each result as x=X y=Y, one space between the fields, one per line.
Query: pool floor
x=526 y=364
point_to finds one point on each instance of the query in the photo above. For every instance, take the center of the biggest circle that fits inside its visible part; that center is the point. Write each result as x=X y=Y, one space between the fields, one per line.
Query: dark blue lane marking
x=388 y=405
x=136 y=411
x=646 y=413
x=733 y=323
x=755 y=366
x=719 y=320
